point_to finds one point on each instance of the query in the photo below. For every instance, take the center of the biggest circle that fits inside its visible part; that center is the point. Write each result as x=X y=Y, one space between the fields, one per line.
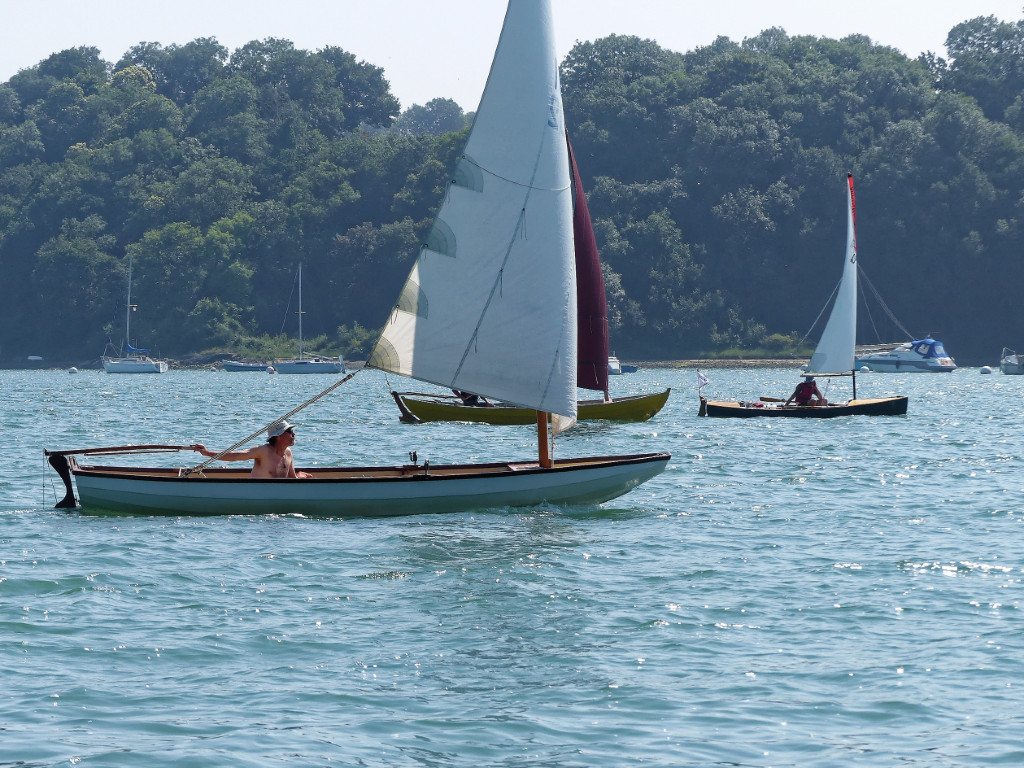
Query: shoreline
x=723 y=363
x=191 y=365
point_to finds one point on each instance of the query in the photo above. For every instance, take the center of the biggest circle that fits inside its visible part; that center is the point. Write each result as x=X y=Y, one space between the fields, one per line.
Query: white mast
x=128 y=310
x=299 y=313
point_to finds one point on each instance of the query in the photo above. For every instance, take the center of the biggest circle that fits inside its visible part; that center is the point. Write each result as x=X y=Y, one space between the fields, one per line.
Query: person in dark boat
x=468 y=398
x=807 y=393
x=273 y=459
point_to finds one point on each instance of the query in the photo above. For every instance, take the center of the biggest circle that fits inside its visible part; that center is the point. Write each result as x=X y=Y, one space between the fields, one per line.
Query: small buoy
x=270 y=369
x=865 y=369
x=72 y=369
x=985 y=369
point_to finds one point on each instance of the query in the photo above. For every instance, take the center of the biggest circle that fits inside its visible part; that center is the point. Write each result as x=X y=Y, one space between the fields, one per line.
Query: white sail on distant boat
x=489 y=308
x=314 y=363
x=834 y=355
x=133 y=360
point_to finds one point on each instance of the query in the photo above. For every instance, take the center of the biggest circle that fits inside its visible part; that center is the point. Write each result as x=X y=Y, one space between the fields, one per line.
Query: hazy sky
x=443 y=48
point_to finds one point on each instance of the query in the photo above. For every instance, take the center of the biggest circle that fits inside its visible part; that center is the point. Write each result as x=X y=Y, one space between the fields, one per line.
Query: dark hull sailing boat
x=834 y=355
x=488 y=307
x=593 y=362
x=883 y=406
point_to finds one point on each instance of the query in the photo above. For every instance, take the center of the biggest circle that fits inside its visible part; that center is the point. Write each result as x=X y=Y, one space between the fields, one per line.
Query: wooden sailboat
x=133 y=360
x=834 y=355
x=593 y=365
x=420 y=407
x=489 y=307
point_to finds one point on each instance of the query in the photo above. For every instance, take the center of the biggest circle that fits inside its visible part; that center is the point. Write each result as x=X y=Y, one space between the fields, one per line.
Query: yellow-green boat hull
x=419 y=408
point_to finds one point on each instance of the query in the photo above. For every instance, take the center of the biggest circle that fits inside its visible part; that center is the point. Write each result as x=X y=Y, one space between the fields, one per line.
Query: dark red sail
x=591 y=304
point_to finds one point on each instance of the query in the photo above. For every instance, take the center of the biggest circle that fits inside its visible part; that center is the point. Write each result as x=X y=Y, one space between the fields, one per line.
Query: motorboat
x=922 y=356
x=1011 y=363
x=239 y=366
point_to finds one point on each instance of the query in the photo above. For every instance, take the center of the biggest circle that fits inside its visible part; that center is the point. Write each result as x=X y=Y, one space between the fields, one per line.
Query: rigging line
x=867 y=309
x=827 y=302
x=513 y=181
x=334 y=386
x=885 y=306
x=47 y=475
x=289 y=304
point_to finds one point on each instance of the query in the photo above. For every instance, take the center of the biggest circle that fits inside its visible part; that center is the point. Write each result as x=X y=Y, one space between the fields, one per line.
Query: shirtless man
x=273 y=459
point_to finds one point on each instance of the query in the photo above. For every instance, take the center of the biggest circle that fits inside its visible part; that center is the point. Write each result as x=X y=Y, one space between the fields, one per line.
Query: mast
x=543 y=448
x=852 y=246
x=128 y=308
x=299 y=313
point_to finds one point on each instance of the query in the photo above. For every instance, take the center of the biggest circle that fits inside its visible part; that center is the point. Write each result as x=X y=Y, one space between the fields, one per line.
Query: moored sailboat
x=313 y=363
x=133 y=360
x=834 y=355
x=484 y=285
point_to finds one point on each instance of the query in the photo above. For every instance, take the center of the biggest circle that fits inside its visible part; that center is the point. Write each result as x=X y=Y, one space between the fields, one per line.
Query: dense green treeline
x=715 y=179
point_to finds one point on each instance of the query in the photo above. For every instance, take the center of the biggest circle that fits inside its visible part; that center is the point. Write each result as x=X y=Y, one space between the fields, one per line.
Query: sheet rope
x=261 y=430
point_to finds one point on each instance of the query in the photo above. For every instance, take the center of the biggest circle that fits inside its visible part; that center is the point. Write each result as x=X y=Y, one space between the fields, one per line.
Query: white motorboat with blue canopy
x=921 y=356
x=489 y=308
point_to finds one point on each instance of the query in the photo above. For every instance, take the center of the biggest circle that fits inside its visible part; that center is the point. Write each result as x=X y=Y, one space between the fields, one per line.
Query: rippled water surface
x=788 y=593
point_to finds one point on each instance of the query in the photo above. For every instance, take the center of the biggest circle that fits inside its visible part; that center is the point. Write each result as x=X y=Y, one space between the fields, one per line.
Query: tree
x=179 y=71
x=367 y=93
x=987 y=63
x=436 y=117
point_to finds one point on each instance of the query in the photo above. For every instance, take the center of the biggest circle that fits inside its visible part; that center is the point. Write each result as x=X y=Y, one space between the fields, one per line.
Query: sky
x=443 y=48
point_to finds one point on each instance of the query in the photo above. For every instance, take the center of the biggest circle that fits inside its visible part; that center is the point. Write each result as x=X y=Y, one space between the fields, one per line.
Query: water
x=788 y=593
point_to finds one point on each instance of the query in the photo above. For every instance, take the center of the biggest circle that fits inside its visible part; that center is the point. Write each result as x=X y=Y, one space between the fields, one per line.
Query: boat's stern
x=62 y=466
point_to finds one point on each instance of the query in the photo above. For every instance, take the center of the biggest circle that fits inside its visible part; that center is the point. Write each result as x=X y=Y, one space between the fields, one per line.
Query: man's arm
x=291 y=468
x=249 y=453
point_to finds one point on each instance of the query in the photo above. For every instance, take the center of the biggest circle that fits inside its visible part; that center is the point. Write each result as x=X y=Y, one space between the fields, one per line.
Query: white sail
x=490 y=305
x=835 y=350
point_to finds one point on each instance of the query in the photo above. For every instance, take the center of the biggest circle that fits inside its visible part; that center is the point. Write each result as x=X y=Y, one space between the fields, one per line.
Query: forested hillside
x=715 y=178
